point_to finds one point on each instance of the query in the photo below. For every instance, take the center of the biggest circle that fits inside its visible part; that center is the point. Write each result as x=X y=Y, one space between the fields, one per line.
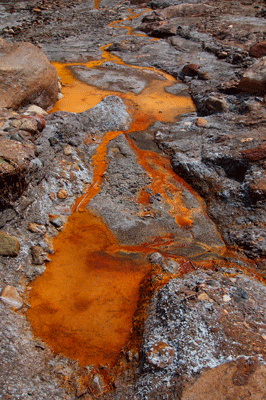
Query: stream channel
x=84 y=302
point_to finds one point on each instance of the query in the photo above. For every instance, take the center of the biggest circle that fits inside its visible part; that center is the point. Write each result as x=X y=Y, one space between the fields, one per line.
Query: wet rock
x=9 y=245
x=26 y=76
x=216 y=104
x=11 y=297
x=254 y=79
x=258 y=50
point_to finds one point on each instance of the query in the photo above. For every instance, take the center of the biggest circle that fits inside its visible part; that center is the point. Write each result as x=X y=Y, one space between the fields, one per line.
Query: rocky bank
x=185 y=197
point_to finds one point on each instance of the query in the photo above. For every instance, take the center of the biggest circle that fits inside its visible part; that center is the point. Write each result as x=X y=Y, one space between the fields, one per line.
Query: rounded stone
x=62 y=194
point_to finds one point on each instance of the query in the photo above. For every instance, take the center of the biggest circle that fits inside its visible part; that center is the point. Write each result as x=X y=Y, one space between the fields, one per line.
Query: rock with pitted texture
x=26 y=76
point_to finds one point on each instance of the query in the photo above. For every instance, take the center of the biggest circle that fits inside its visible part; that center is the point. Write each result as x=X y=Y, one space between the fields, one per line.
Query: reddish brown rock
x=191 y=69
x=254 y=79
x=26 y=76
x=257 y=187
x=259 y=153
x=258 y=51
x=242 y=379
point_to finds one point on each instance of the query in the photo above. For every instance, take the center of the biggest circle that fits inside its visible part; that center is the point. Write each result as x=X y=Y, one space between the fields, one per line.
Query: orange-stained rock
x=11 y=297
x=26 y=76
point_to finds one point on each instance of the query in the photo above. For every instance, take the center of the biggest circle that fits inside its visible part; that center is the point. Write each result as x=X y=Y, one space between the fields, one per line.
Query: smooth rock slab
x=9 y=245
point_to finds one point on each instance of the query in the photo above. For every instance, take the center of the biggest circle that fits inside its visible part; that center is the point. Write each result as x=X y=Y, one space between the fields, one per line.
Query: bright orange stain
x=84 y=302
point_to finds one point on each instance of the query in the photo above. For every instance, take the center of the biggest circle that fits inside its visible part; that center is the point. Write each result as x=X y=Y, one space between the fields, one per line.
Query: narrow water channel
x=83 y=304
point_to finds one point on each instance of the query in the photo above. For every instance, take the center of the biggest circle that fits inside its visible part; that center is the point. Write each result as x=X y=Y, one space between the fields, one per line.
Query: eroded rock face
x=27 y=77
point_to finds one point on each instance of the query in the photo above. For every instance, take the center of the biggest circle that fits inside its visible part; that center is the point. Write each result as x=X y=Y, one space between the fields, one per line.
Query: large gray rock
x=26 y=76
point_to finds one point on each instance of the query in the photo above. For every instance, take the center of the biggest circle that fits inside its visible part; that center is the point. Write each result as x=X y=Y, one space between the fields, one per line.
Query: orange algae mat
x=83 y=304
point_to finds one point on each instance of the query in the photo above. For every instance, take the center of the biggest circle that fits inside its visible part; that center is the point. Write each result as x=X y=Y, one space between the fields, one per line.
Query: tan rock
x=29 y=125
x=11 y=297
x=36 y=110
x=62 y=194
x=9 y=245
x=26 y=76
x=67 y=150
x=35 y=228
x=201 y=122
x=203 y=297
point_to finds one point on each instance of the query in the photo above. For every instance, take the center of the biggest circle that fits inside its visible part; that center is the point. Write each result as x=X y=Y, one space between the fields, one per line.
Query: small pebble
x=201 y=122
x=67 y=150
x=62 y=194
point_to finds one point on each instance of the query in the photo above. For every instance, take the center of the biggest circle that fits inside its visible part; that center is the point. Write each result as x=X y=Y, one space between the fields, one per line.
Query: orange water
x=83 y=304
